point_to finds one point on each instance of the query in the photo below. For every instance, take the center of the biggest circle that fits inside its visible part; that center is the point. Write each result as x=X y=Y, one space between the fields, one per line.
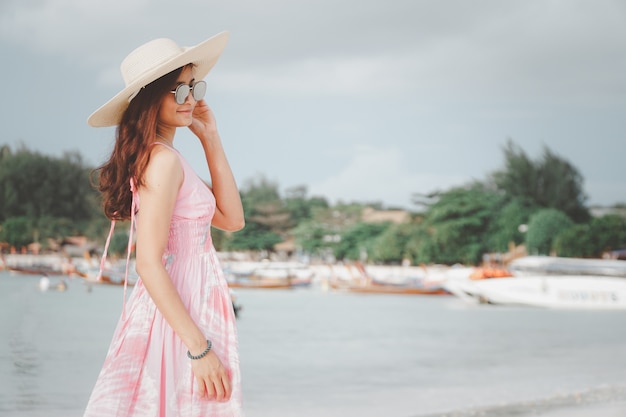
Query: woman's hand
x=228 y=208
x=203 y=124
x=212 y=378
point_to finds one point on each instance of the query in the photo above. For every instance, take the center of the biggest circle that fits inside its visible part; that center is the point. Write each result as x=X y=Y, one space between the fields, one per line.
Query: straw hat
x=150 y=62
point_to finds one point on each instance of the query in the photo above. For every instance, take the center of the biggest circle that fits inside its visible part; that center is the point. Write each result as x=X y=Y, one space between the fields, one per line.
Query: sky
x=358 y=100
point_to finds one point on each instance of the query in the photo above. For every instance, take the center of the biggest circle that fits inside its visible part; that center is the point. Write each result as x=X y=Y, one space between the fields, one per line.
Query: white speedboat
x=539 y=265
x=460 y=281
x=549 y=291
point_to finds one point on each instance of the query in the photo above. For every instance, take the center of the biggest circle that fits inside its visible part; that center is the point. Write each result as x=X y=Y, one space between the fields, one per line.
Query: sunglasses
x=182 y=91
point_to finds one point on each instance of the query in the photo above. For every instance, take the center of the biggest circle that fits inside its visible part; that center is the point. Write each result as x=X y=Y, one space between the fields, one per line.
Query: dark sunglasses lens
x=199 y=90
x=182 y=91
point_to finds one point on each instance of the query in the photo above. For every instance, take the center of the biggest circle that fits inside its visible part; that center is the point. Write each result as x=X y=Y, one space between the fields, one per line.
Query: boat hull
x=389 y=289
x=549 y=291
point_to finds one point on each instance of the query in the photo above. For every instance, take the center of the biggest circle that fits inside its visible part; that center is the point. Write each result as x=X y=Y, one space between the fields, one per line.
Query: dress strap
x=106 y=249
x=129 y=247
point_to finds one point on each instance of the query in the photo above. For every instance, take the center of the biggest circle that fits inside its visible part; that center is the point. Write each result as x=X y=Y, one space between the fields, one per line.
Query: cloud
x=493 y=49
x=65 y=26
x=450 y=79
x=502 y=51
x=381 y=174
x=344 y=76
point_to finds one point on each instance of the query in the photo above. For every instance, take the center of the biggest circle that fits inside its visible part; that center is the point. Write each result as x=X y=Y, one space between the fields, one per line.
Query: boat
x=549 y=265
x=380 y=288
x=268 y=275
x=358 y=279
x=461 y=281
x=259 y=283
x=297 y=273
x=547 y=291
x=111 y=275
x=44 y=264
x=36 y=270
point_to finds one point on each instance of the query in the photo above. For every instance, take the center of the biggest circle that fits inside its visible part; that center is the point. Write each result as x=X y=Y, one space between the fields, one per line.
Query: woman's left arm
x=229 y=210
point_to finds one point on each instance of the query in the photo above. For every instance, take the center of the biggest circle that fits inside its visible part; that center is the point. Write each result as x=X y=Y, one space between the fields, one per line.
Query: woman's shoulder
x=164 y=155
x=164 y=161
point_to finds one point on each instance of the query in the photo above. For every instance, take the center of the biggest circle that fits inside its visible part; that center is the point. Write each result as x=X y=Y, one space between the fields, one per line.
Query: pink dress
x=146 y=372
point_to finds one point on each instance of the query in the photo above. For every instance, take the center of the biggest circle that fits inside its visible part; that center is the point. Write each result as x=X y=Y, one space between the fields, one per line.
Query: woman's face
x=172 y=114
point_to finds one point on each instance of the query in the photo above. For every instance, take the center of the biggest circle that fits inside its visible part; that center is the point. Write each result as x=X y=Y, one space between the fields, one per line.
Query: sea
x=310 y=352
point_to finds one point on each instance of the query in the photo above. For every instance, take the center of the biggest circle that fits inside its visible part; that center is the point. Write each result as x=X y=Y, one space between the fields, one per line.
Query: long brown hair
x=131 y=153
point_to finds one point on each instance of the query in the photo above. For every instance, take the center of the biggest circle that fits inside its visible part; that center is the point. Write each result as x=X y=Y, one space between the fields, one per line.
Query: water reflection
x=26 y=356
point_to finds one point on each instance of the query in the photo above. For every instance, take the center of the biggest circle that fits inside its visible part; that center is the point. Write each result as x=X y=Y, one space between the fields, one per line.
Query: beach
x=310 y=352
x=605 y=410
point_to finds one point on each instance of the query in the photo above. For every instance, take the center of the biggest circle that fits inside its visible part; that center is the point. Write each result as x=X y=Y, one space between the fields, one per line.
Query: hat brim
x=203 y=55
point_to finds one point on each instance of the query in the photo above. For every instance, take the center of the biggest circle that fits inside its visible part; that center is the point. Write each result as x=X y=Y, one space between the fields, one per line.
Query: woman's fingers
x=219 y=389
x=201 y=387
x=212 y=379
x=227 y=387
x=210 y=389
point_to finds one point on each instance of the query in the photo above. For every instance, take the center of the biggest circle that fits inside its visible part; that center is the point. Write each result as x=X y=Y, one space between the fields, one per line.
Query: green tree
x=390 y=245
x=263 y=205
x=519 y=177
x=550 y=182
x=320 y=234
x=543 y=228
x=417 y=234
x=118 y=246
x=299 y=206
x=505 y=225
x=575 y=241
x=456 y=225
x=220 y=239
x=97 y=228
x=313 y=237
x=56 y=228
x=267 y=220
x=37 y=186
x=253 y=237
x=608 y=233
x=17 y=231
x=357 y=241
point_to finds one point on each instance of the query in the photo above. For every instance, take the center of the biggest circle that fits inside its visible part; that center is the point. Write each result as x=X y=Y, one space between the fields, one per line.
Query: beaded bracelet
x=203 y=354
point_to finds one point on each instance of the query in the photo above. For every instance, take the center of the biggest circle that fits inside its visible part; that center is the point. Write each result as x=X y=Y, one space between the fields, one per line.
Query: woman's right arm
x=163 y=178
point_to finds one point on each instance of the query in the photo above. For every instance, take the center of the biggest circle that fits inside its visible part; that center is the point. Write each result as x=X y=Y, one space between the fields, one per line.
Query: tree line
x=536 y=202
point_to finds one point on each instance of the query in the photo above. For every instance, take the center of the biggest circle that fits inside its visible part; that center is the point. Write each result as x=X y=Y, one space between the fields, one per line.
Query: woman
x=174 y=351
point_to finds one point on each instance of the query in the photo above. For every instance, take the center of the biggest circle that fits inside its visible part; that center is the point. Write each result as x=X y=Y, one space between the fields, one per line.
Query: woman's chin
x=186 y=121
